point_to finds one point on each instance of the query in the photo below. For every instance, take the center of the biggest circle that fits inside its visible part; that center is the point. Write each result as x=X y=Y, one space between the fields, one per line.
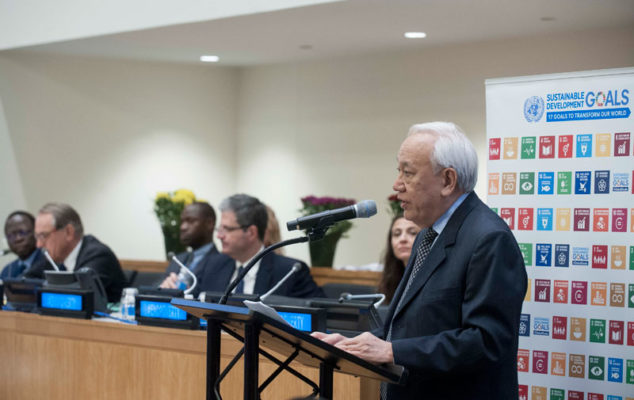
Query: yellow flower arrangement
x=168 y=207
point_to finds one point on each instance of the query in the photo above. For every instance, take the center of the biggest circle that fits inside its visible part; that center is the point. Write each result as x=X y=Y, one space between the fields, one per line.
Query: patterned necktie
x=240 y=287
x=421 y=254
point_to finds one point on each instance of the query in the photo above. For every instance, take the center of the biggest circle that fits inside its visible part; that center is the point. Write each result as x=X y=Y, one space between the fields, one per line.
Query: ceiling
x=351 y=27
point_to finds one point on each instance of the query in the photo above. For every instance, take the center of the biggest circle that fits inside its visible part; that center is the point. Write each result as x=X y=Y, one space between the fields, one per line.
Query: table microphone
x=377 y=297
x=50 y=260
x=184 y=268
x=296 y=267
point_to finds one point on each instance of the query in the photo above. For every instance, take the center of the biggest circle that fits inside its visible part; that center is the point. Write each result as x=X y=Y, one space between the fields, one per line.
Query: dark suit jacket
x=457 y=329
x=99 y=257
x=216 y=274
x=39 y=264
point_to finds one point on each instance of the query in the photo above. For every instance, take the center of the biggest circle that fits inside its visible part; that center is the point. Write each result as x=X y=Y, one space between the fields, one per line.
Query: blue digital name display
x=159 y=309
x=299 y=321
x=61 y=301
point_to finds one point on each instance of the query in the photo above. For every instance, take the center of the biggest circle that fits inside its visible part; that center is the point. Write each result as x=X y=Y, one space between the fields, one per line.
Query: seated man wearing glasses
x=243 y=222
x=18 y=229
x=59 y=230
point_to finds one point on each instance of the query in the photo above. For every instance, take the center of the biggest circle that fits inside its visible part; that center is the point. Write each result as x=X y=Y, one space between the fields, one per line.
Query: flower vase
x=322 y=252
x=172 y=241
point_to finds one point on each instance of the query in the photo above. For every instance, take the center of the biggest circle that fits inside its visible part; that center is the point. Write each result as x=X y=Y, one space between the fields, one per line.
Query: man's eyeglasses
x=42 y=236
x=229 y=229
x=18 y=234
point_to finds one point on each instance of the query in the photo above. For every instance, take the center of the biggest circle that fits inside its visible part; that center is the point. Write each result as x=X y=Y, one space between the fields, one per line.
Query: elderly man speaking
x=453 y=322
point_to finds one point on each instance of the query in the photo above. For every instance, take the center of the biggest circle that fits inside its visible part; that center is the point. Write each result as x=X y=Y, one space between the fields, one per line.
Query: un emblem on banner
x=533 y=109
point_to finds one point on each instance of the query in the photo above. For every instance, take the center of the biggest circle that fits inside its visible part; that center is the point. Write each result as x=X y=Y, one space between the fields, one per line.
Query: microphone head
x=344 y=296
x=365 y=208
x=297 y=266
x=170 y=255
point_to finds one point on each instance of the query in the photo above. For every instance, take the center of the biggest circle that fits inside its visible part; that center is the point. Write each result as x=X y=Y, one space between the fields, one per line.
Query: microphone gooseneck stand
x=251 y=349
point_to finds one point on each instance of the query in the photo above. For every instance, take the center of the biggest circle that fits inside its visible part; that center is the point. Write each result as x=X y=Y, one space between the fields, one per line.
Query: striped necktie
x=421 y=254
x=240 y=287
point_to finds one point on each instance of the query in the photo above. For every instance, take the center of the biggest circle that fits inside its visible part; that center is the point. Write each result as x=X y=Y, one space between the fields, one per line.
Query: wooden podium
x=260 y=333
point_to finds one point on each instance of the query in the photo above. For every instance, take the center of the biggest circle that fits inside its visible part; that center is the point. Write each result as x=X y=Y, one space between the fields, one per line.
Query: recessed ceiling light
x=306 y=47
x=415 y=35
x=548 y=19
x=209 y=58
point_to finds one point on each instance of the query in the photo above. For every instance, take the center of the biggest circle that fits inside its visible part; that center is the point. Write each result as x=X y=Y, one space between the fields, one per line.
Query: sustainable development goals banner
x=561 y=174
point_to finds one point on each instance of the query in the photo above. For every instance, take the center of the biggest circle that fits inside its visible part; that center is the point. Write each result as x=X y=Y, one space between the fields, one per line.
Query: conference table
x=57 y=358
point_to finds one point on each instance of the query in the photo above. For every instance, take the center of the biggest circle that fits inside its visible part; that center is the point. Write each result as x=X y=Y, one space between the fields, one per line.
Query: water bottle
x=184 y=280
x=127 y=303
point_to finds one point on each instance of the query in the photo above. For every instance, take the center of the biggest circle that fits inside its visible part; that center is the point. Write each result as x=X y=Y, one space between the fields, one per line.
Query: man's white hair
x=452 y=149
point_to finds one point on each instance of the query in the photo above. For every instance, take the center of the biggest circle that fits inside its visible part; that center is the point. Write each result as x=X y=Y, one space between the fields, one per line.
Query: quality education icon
x=533 y=109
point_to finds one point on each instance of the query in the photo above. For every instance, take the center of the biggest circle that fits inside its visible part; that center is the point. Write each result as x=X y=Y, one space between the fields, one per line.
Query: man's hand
x=365 y=346
x=331 y=339
x=170 y=281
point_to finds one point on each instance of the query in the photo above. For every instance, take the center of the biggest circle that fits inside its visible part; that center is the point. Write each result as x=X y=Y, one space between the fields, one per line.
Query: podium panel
x=58 y=358
x=260 y=332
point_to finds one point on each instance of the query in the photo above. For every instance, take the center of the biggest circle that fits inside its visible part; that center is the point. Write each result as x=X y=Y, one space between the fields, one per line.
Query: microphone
x=4 y=252
x=363 y=209
x=50 y=260
x=296 y=267
x=184 y=269
x=377 y=297
x=259 y=306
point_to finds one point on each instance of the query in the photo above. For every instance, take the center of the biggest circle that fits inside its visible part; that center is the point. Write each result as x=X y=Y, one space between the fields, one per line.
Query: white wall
x=12 y=197
x=105 y=136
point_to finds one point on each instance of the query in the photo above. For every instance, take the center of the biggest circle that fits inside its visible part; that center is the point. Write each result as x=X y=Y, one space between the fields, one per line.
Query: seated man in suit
x=242 y=225
x=18 y=229
x=453 y=321
x=198 y=221
x=59 y=230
